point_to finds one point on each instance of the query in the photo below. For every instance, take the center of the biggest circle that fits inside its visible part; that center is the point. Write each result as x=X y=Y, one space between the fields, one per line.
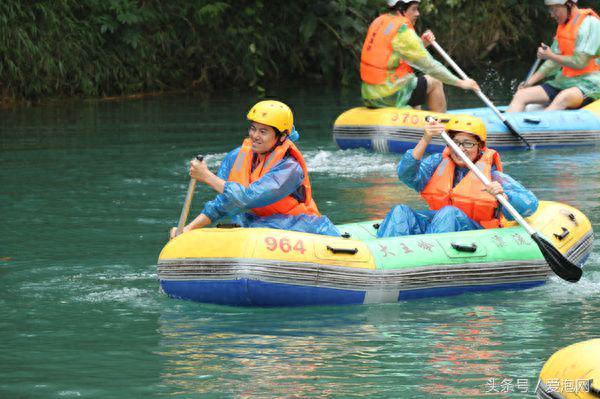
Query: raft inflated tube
x=268 y=267
x=399 y=129
x=572 y=373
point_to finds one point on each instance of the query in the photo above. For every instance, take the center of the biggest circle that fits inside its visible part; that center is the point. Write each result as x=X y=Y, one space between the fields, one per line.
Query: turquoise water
x=89 y=191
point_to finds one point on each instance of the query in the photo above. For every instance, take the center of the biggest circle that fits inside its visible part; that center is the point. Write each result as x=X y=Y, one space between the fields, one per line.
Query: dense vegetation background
x=51 y=48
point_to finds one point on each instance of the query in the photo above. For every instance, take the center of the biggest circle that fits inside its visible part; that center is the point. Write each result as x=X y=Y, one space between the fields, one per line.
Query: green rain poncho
x=407 y=46
x=587 y=45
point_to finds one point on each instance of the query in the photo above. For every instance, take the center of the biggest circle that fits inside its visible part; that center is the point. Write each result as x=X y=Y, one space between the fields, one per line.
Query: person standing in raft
x=457 y=199
x=390 y=52
x=263 y=183
x=572 y=62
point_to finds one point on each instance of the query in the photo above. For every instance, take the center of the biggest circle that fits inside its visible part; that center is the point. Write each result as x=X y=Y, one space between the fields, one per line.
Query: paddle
x=560 y=265
x=534 y=68
x=480 y=94
x=188 y=201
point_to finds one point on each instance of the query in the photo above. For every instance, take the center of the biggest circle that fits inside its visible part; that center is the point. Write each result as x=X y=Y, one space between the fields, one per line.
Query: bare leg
x=436 y=99
x=530 y=95
x=566 y=99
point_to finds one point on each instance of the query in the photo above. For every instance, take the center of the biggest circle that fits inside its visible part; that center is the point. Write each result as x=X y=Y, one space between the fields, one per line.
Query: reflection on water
x=465 y=354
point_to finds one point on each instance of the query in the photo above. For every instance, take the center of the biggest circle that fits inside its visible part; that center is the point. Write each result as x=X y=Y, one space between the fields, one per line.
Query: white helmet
x=392 y=3
x=558 y=2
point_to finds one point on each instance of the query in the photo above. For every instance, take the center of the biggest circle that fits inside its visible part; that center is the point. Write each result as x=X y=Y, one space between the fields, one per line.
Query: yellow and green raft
x=268 y=267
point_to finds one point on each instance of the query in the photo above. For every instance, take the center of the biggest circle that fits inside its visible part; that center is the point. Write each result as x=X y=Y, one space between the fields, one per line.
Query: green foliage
x=474 y=31
x=110 y=47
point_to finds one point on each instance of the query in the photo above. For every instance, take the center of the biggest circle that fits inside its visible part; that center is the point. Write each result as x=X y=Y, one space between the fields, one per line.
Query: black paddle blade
x=560 y=265
x=512 y=129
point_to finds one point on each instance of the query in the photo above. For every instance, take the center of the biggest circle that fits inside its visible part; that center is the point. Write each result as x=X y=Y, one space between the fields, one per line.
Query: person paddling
x=265 y=182
x=572 y=62
x=457 y=199
x=390 y=52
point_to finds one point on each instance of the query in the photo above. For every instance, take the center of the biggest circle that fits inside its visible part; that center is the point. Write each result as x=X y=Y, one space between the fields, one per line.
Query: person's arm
x=522 y=199
x=279 y=182
x=199 y=171
x=411 y=171
x=409 y=47
x=432 y=129
x=206 y=217
x=416 y=173
x=576 y=61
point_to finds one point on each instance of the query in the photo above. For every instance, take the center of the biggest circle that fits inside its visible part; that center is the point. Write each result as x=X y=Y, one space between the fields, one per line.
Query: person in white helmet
x=572 y=63
x=391 y=50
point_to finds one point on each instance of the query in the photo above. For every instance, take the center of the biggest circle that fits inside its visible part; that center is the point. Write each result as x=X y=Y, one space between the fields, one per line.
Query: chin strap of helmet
x=570 y=4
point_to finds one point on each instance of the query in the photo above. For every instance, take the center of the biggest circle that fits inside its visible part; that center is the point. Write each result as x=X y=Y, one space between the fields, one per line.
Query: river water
x=89 y=190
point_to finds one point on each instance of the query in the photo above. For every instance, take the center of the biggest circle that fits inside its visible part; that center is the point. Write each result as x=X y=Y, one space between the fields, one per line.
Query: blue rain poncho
x=283 y=179
x=403 y=220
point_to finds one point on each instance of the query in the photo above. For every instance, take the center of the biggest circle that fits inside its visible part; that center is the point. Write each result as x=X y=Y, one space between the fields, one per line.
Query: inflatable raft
x=268 y=267
x=397 y=130
x=572 y=373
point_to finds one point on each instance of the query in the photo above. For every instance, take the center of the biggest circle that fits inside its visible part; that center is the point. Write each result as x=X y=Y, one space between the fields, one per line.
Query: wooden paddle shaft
x=188 y=202
x=486 y=181
x=186 y=206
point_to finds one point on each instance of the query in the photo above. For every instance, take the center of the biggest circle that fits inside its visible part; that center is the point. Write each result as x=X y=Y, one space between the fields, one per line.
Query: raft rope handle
x=464 y=248
x=349 y=251
x=228 y=225
x=561 y=236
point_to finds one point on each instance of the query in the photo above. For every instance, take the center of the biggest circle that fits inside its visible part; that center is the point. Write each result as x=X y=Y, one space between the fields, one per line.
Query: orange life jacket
x=242 y=173
x=467 y=195
x=377 y=50
x=566 y=35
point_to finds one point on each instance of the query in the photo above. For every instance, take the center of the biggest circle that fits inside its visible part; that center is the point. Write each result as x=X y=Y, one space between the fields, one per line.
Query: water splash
x=350 y=163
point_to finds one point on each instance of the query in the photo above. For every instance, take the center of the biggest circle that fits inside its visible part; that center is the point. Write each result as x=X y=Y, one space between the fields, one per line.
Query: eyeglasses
x=467 y=145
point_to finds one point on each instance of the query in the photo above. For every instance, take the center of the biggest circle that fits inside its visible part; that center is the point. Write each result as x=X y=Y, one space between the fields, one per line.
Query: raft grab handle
x=561 y=236
x=534 y=121
x=349 y=251
x=228 y=226
x=570 y=215
x=464 y=248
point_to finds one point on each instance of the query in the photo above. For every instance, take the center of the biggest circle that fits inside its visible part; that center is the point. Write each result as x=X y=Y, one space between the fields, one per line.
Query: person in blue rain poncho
x=263 y=183
x=457 y=199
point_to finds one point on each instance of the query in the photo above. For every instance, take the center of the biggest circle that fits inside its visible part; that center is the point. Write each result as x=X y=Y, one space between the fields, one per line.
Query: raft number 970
x=407 y=118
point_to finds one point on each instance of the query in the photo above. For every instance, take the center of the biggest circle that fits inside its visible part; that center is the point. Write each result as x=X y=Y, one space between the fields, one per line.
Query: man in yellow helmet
x=263 y=183
x=390 y=52
x=572 y=64
x=457 y=199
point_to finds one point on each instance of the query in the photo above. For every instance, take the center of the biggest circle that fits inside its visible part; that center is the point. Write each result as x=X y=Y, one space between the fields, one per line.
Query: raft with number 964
x=268 y=267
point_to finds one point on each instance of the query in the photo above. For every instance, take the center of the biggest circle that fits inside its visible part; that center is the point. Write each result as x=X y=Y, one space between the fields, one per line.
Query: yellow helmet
x=272 y=113
x=572 y=372
x=467 y=124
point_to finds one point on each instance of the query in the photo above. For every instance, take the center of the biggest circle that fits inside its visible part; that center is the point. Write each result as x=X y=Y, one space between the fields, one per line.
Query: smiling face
x=464 y=140
x=412 y=13
x=263 y=137
x=559 y=13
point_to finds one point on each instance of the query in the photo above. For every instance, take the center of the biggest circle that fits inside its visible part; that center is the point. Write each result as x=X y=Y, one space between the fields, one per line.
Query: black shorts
x=419 y=94
x=552 y=92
